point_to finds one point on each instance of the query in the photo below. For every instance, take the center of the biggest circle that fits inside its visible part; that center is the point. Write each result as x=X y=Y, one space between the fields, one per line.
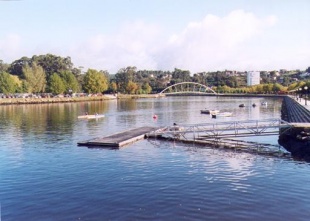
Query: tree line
x=57 y=75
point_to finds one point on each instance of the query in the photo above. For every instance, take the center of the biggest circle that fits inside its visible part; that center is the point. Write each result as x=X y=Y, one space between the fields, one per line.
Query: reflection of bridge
x=187 y=88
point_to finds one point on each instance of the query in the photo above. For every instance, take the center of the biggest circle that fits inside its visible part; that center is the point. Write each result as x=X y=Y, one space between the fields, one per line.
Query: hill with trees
x=57 y=75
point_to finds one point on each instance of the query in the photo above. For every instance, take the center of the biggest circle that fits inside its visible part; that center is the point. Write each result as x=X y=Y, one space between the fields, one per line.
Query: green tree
x=268 y=88
x=292 y=86
x=200 y=78
x=3 y=67
x=53 y=64
x=131 y=87
x=18 y=83
x=179 y=75
x=35 y=78
x=23 y=88
x=56 y=84
x=76 y=72
x=7 y=83
x=70 y=81
x=259 y=88
x=277 y=87
x=226 y=89
x=94 y=82
x=146 y=88
x=123 y=77
x=113 y=86
x=16 y=67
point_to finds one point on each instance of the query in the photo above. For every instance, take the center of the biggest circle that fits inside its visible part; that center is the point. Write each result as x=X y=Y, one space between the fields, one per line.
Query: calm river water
x=44 y=175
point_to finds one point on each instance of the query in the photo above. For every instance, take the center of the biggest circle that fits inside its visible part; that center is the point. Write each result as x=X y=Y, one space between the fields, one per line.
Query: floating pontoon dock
x=119 y=139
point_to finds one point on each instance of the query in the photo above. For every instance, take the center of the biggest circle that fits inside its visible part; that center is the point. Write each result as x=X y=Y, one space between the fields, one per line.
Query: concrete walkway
x=295 y=110
x=302 y=102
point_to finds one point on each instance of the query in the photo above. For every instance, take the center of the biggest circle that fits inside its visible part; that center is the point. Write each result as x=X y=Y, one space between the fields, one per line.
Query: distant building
x=253 y=78
x=231 y=73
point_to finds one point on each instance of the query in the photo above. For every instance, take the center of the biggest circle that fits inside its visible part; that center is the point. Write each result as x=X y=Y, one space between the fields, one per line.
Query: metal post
x=306 y=93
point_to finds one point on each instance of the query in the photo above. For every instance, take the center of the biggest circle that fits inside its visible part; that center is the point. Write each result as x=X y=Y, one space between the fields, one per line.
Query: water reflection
x=235 y=169
x=58 y=122
x=41 y=165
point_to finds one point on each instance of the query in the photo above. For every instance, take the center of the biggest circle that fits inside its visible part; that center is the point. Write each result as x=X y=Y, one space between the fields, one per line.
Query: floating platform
x=119 y=139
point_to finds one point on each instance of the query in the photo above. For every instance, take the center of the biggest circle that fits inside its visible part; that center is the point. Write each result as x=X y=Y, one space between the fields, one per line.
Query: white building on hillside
x=253 y=78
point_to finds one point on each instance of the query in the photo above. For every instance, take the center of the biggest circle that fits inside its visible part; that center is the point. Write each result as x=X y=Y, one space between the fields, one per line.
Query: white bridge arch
x=188 y=88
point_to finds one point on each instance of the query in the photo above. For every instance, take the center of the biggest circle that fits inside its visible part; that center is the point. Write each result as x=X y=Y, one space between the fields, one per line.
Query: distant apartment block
x=253 y=78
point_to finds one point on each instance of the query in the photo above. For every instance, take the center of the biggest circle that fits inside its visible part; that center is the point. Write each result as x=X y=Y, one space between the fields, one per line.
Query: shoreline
x=50 y=100
x=13 y=101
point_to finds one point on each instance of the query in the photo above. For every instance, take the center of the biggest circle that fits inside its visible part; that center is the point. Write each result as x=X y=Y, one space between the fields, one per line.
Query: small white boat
x=209 y=111
x=224 y=114
x=89 y=116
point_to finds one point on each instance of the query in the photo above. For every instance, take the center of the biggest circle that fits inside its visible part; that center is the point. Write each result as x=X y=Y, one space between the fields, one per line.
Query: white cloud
x=133 y=45
x=238 y=41
x=214 y=43
x=217 y=43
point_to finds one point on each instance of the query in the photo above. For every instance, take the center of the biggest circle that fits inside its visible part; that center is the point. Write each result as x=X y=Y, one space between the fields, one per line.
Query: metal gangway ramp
x=225 y=129
x=222 y=133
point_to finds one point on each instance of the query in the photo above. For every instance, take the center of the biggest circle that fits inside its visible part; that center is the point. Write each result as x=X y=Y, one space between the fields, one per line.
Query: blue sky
x=195 y=35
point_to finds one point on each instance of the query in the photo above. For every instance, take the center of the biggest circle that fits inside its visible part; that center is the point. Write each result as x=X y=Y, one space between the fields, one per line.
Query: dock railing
x=224 y=129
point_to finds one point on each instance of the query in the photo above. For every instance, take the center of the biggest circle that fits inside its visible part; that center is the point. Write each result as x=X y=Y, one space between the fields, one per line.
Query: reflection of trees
x=36 y=119
x=93 y=107
x=48 y=119
x=60 y=118
x=126 y=105
x=132 y=111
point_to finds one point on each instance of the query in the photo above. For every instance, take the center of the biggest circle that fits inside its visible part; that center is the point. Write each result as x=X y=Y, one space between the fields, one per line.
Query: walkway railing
x=221 y=135
x=224 y=129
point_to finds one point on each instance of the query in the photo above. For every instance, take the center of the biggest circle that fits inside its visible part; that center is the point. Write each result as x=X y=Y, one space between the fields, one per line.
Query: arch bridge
x=187 y=88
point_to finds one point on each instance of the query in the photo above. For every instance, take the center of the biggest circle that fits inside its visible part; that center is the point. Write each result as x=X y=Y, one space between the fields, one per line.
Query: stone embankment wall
x=296 y=140
x=292 y=111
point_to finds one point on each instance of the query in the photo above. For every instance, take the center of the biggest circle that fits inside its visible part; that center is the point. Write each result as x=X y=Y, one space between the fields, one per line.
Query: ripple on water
x=45 y=176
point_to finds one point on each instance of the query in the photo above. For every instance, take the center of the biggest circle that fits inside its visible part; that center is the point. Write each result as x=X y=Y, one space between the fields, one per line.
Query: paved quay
x=295 y=110
x=303 y=102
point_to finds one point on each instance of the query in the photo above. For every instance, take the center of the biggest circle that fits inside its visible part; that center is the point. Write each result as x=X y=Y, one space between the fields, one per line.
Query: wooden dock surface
x=119 y=139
